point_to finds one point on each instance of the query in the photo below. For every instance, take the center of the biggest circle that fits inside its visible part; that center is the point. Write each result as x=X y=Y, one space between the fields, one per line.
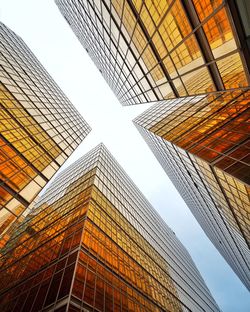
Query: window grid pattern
x=122 y=262
x=219 y=201
x=214 y=128
x=39 y=127
x=150 y=51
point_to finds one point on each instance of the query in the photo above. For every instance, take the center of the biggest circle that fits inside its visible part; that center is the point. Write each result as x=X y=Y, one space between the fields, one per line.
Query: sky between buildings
x=47 y=34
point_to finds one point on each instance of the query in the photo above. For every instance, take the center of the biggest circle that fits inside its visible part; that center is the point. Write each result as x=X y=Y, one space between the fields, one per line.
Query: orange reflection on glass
x=232 y=71
x=218 y=31
x=213 y=128
x=206 y=7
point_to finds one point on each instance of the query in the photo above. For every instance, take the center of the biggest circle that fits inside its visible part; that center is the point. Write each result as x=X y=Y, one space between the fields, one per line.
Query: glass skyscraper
x=155 y=50
x=194 y=139
x=39 y=127
x=94 y=243
x=192 y=58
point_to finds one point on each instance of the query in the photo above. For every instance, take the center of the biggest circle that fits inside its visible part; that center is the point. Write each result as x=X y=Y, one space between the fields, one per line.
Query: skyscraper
x=201 y=142
x=155 y=50
x=39 y=127
x=94 y=242
x=192 y=57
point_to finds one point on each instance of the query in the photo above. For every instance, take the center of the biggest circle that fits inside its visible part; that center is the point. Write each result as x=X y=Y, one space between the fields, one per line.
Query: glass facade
x=192 y=58
x=201 y=143
x=94 y=243
x=155 y=50
x=39 y=127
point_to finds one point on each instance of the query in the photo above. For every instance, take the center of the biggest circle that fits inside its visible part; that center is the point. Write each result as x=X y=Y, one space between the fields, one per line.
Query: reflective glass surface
x=90 y=242
x=190 y=57
x=201 y=142
x=155 y=50
x=39 y=127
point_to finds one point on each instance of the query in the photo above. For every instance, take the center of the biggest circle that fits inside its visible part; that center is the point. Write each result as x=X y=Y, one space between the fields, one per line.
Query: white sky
x=47 y=34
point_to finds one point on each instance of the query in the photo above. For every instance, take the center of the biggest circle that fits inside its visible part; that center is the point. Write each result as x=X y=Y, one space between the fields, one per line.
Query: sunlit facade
x=94 y=243
x=39 y=127
x=155 y=50
x=201 y=143
x=192 y=57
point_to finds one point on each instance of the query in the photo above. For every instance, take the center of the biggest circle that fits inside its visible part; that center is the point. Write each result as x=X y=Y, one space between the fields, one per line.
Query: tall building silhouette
x=94 y=243
x=192 y=58
x=39 y=127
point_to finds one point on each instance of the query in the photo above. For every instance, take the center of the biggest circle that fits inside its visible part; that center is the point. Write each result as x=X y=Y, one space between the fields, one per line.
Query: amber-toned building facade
x=154 y=50
x=39 y=127
x=94 y=243
x=194 y=139
x=192 y=57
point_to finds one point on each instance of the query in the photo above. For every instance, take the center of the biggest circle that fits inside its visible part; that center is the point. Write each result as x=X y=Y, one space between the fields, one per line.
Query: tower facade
x=192 y=58
x=93 y=242
x=201 y=143
x=154 y=51
x=39 y=127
